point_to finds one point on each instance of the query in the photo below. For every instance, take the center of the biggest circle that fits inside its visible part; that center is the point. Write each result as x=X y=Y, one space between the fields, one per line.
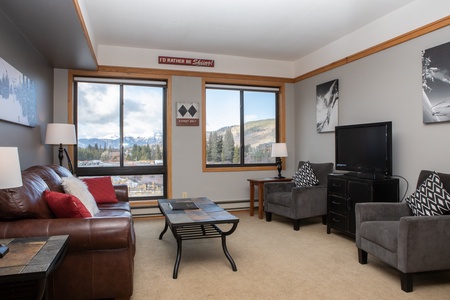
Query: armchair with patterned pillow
x=412 y=236
x=304 y=197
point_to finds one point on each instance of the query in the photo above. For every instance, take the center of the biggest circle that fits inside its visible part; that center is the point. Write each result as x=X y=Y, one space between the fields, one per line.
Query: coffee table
x=198 y=223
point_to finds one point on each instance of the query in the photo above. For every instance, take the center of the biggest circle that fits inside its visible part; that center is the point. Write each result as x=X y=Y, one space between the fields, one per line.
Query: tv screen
x=364 y=148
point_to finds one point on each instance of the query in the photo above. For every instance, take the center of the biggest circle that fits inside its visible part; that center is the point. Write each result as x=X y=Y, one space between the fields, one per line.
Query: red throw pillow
x=66 y=205
x=102 y=189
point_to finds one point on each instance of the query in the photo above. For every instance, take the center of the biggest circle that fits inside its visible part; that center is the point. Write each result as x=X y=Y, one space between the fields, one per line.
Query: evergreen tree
x=158 y=154
x=218 y=157
x=213 y=139
x=208 y=149
x=228 y=147
x=237 y=155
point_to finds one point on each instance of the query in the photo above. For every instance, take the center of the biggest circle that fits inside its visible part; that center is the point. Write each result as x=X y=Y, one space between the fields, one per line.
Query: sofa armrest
x=121 y=192
x=378 y=211
x=381 y=211
x=424 y=243
x=274 y=187
x=84 y=234
x=309 y=201
x=309 y=190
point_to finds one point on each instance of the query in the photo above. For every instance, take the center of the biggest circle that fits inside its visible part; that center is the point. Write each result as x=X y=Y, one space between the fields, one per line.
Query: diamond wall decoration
x=187 y=113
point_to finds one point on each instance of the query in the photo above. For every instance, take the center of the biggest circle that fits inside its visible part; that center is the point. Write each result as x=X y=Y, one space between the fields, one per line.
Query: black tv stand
x=373 y=176
x=345 y=191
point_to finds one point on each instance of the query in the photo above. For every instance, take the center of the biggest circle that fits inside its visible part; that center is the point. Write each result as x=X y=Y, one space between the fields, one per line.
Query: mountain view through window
x=120 y=130
x=240 y=126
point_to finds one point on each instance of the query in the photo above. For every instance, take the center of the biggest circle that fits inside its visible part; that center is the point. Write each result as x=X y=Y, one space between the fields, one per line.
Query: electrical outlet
x=184 y=195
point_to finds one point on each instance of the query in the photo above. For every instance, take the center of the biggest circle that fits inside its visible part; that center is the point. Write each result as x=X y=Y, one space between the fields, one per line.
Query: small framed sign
x=196 y=62
x=187 y=113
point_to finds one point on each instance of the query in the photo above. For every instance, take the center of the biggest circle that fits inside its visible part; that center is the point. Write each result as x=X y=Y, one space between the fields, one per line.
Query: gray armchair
x=409 y=243
x=296 y=203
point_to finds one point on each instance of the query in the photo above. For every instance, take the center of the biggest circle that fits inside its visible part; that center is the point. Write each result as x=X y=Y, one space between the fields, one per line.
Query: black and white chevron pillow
x=305 y=176
x=430 y=198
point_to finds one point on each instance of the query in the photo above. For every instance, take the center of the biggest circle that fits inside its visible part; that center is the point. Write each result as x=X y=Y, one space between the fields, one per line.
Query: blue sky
x=222 y=107
x=98 y=110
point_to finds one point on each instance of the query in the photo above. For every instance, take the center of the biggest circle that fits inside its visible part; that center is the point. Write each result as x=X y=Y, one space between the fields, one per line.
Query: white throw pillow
x=79 y=189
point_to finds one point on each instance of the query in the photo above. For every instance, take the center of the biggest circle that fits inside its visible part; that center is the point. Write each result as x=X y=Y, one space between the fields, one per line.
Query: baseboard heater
x=140 y=211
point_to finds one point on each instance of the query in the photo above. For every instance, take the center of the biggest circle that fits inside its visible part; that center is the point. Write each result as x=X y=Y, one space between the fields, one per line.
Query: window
x=121 y=133
x=242 y=123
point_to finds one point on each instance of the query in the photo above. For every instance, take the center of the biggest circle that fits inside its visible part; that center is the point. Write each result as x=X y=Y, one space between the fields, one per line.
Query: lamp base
x=279 y=177
x=3 y=250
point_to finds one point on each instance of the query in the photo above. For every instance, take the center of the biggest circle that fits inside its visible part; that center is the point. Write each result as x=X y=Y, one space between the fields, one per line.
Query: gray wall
x=382 y=87
x=19 y=53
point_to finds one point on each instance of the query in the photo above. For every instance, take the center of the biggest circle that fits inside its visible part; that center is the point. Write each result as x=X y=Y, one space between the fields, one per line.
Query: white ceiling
x=284 y=30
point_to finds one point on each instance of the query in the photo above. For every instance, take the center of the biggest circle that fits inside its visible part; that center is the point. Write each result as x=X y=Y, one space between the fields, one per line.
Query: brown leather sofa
x=99 y=262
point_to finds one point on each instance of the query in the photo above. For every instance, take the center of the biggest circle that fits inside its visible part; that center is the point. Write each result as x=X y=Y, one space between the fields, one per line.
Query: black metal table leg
x=227 y=254
x=224 y=246
x=177 y=261
x=164 y=230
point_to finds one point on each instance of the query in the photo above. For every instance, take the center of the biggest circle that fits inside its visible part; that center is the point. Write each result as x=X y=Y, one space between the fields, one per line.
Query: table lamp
x=279 y=150
x=10 y=176
x=61 y=134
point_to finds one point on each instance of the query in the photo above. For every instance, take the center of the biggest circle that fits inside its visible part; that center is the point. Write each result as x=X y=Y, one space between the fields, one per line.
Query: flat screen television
x=364 y=149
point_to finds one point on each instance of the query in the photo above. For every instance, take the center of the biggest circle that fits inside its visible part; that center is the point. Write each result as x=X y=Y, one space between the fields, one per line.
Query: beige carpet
x=273 y=262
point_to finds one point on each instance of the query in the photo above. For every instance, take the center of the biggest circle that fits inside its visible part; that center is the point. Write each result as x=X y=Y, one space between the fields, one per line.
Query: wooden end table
x=24 y=270
x=260 y=183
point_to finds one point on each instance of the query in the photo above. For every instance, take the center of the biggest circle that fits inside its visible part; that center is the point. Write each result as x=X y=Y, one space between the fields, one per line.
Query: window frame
x=123 y=169
x=280 y=123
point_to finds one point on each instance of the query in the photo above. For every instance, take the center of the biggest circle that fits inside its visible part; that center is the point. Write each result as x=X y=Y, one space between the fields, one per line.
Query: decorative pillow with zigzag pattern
x=430 y=198
x=305 y=176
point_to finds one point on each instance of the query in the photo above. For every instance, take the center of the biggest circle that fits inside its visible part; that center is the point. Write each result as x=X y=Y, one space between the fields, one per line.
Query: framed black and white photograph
x=436 y=84
x=17 y=96
x=327 y=96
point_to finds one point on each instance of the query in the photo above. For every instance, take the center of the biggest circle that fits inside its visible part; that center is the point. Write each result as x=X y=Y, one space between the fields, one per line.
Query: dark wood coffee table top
x=208 y=212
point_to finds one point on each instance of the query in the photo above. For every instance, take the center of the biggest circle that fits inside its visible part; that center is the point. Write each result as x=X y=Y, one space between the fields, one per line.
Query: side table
x=24 y=270
x=260 y=183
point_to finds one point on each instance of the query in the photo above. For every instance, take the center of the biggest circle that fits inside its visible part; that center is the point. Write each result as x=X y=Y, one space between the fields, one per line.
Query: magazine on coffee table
x=183 y=205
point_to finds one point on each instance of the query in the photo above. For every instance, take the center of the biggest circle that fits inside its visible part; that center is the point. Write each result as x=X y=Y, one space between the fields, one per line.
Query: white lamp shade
x=58 y=133
x=279 y=150
x=10 y=173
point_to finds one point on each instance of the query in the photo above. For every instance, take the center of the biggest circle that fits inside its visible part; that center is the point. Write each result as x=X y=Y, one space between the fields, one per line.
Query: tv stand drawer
x=337 y=221
x=344 y=192
x=337 y=186
x=337 y=204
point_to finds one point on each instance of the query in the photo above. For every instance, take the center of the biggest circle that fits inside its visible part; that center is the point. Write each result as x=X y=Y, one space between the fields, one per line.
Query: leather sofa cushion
x=27 y=201
x=51 y=178
x=61 y=171
x=383 y=233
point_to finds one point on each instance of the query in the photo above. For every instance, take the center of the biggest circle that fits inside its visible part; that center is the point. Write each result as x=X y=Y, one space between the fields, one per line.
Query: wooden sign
x=197 y=62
